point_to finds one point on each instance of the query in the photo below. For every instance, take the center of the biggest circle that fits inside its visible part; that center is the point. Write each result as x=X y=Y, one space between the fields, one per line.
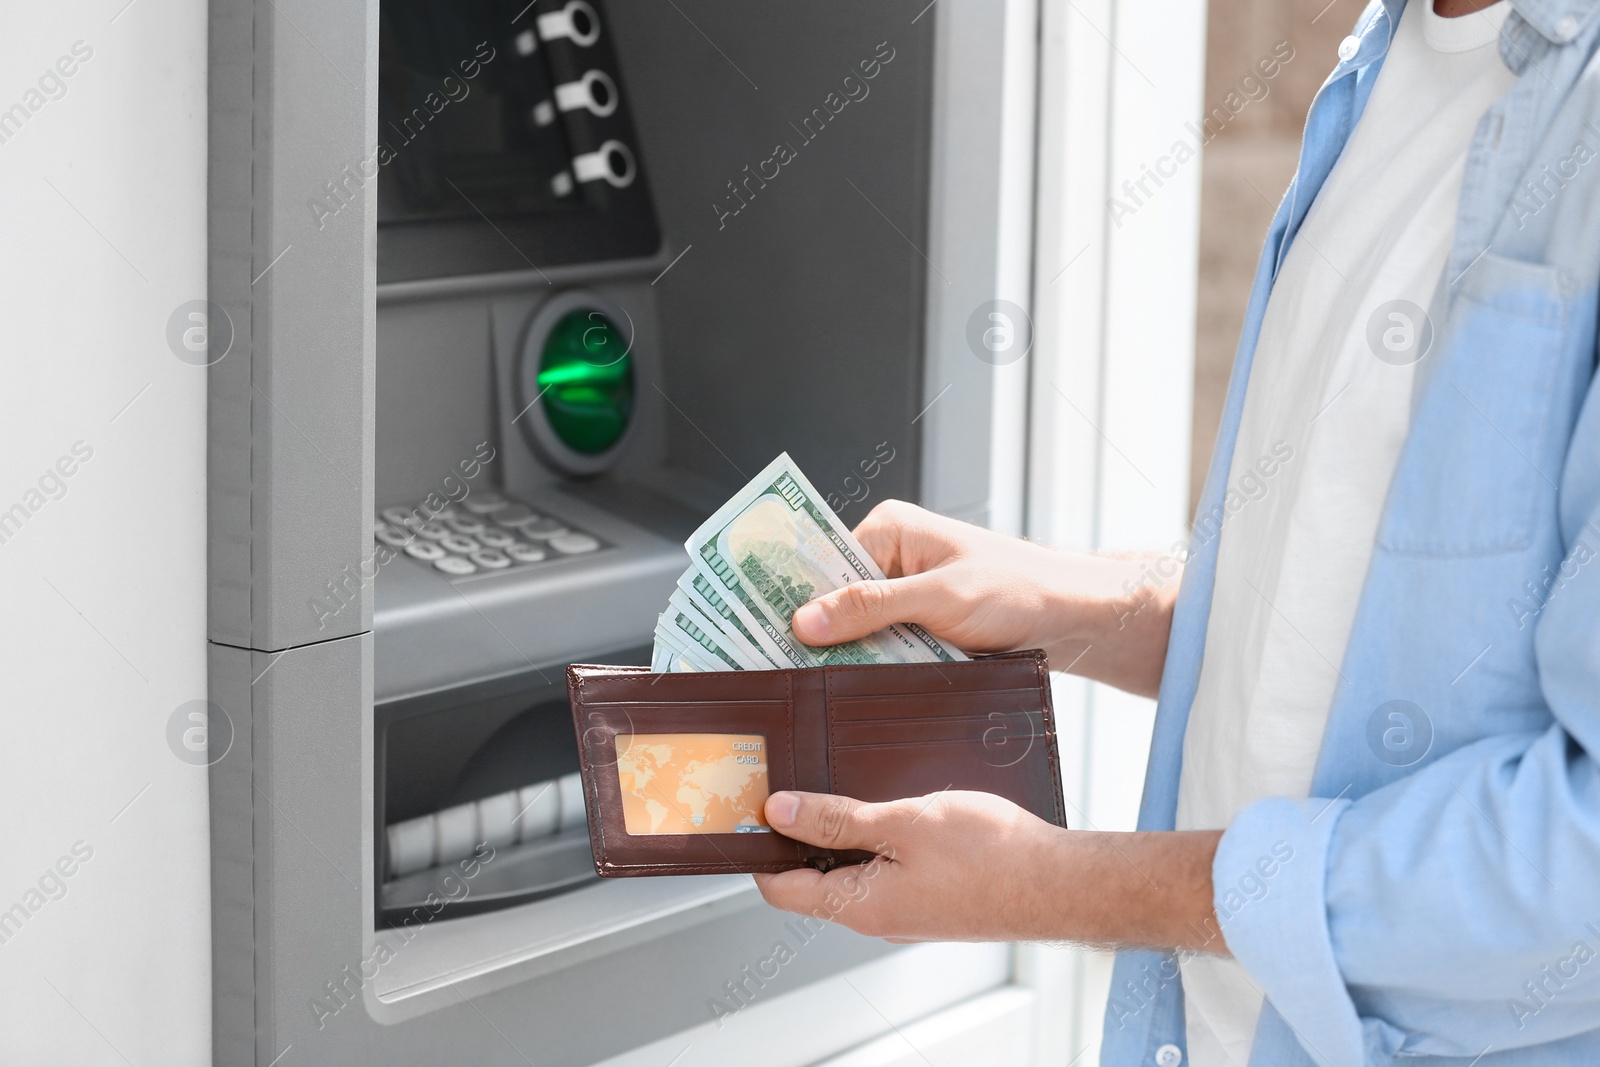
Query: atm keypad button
x=491 y=559
x=543 y=529
x=483 y=503
x=574 y=543
x=434 y=531
x=426 y=551
x=523 y=552
x=392 y=536
x=459 y=544
x=496 y=539
x=455 y=565
x=513 y=514
x=469 y=525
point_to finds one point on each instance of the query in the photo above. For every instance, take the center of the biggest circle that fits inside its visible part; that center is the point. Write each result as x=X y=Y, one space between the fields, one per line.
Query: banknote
x=777 y=545
x=693 y=783
x=694 y=634
x=674 y=648
x=700 y=631
x=699 y=592
x=666 y=659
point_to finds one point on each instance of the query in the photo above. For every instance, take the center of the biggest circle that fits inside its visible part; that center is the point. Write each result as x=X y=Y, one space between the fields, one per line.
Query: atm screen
x=467 y=127
x=504 y=140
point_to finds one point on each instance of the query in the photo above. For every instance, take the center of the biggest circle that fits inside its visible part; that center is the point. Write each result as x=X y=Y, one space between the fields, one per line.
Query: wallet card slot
x=951 y=703
x=640 y=822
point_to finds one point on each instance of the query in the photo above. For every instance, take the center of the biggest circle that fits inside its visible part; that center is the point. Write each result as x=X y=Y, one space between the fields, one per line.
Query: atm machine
x=507 y=297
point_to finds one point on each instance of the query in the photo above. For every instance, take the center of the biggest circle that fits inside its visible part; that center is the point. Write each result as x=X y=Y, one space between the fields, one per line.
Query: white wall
x=1113 y=365
x=102 y=633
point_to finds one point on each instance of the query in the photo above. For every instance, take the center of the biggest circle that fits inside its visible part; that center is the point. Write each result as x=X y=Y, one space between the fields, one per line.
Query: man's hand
x=1102 y=617
x=958 y=866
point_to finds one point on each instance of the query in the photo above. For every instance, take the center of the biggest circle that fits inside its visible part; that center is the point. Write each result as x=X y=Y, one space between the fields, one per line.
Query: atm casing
x=824 y=318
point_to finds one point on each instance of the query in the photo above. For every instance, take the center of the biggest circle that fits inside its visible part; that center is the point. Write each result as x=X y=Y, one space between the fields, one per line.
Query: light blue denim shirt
x=1437 y=900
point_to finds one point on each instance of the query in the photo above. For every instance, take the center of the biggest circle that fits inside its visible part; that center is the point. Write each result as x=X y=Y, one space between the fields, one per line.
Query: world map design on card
x=693 y=783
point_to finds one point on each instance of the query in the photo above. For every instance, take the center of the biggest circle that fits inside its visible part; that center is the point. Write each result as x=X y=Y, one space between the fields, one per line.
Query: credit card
x=693 y=783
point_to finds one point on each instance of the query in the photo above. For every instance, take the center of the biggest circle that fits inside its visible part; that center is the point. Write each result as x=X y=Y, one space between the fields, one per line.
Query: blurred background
x=224 y=805
x=1245 y=170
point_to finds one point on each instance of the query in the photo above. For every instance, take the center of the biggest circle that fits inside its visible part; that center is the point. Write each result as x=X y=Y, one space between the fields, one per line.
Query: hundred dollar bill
x=690 y=633
x=700 y=593
x=684 y=614
x=670 y=646
x=775 y=546
x=667 y=660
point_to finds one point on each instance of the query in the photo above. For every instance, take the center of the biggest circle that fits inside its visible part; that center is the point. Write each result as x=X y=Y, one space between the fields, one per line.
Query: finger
x=863 y=608
x=841 y=895
x=799 y=890
x=831 y=821
x=906 y=539
x=880 y=533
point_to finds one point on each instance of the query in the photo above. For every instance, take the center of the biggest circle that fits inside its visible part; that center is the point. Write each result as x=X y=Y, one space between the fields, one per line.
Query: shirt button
x=1567 y=27
x=1172 y=1055
x=1347 y=50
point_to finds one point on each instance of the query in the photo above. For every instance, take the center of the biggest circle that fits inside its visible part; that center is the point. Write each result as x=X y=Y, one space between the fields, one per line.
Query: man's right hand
x=987 y=592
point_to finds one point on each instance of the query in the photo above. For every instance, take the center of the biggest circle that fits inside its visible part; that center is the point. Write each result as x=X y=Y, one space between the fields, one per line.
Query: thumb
x=829 y=821
x=863 y=608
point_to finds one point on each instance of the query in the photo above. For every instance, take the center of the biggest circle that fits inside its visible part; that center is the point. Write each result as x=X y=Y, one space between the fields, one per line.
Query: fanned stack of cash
x=767 y=551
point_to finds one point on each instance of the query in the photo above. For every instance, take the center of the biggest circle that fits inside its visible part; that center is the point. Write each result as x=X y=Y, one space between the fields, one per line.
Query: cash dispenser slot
x=483 y=775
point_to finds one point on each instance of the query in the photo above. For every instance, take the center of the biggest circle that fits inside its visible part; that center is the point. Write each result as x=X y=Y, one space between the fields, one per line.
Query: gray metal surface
x=291 y=803
x=291 y=405
x=796 y=324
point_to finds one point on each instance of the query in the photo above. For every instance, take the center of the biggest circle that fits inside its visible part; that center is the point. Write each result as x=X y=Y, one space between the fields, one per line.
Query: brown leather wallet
x=877 y=732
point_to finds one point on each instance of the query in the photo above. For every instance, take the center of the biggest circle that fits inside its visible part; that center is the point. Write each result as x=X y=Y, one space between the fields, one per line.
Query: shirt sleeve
x=1454 y=911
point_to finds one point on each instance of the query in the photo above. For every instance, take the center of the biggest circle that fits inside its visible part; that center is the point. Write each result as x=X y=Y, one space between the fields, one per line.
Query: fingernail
x=813 y=621
x=782 y=808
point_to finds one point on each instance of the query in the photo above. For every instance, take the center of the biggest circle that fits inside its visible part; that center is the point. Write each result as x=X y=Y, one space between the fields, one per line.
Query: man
x=1371 y=821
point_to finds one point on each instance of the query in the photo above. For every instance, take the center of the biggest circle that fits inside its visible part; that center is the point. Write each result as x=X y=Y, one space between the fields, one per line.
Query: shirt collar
x=1558 y=21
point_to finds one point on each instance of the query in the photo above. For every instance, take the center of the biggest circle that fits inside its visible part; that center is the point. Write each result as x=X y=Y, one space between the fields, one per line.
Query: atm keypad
x=484 y=534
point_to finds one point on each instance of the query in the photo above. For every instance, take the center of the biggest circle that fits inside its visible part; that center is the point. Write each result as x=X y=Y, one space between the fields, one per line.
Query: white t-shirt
x=1326 y=412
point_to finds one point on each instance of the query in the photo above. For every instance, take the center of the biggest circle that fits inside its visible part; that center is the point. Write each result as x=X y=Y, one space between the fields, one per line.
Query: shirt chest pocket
x=1482 y=452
